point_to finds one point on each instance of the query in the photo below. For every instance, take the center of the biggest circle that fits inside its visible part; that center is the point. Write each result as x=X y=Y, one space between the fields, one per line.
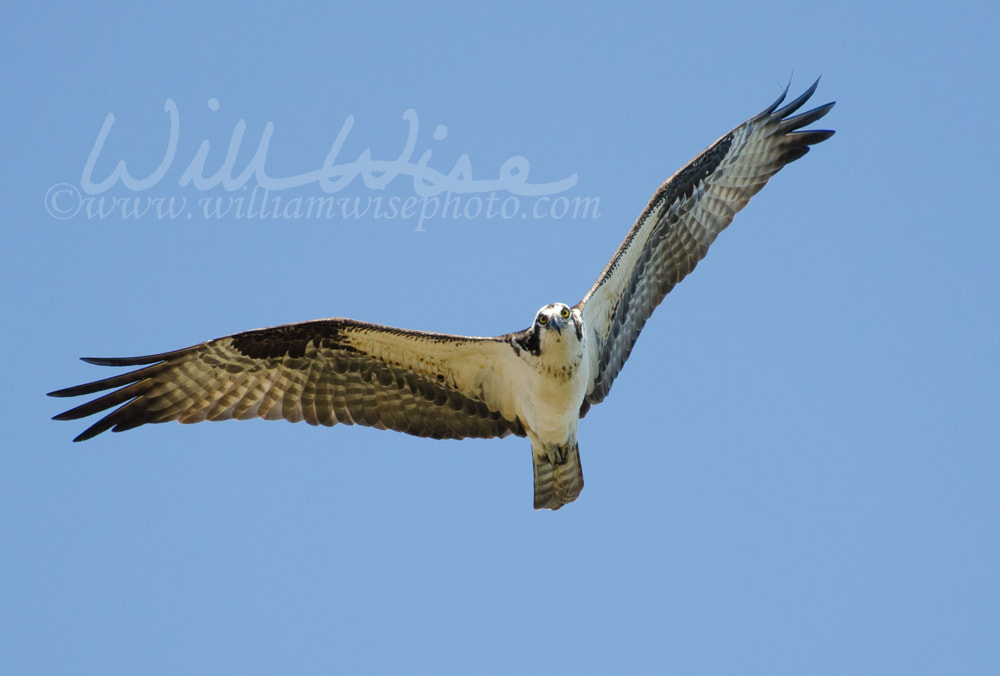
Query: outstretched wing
x=681 y=221
x=323 y=372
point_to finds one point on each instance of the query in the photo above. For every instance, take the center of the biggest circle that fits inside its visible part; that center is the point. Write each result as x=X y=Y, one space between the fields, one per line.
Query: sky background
x=796 y=472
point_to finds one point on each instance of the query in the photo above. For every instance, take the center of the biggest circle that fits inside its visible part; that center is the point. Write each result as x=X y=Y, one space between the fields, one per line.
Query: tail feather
x=558 y=475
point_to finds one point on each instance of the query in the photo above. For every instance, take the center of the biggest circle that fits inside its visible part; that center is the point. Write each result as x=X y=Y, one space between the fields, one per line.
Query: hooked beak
x=557 y=323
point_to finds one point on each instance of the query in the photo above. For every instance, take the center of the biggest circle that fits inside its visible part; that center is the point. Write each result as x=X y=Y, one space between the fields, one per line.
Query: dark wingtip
x=86 y=388
x=64 y=392
x=89 y=433
x=790 y=124
x=128 y=361
x=790 y=107
x=797 y=103
x=777 y=102
x=89 y=388
x=811 y=137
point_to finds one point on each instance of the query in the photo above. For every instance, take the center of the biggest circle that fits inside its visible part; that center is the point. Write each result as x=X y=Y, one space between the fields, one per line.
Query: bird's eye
x=565 y=313
x=543 y=320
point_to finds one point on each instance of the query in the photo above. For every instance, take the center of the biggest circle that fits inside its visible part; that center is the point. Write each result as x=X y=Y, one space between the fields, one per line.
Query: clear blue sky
x=797 y=471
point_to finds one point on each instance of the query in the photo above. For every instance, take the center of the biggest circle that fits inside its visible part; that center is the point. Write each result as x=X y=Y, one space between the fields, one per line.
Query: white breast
x=551 y=387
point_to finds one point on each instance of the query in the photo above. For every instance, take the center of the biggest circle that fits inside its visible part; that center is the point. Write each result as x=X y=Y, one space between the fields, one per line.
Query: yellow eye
x=565 y=313
x=543 y=320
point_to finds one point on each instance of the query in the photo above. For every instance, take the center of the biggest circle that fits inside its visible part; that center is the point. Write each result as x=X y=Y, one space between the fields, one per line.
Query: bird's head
x=556 y=342
x=560 y=321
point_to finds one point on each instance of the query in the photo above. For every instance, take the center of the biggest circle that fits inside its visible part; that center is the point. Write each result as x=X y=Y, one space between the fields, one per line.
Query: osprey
x=536 y=383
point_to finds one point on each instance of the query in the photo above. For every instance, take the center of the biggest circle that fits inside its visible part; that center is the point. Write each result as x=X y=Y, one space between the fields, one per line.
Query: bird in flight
x=537 y=383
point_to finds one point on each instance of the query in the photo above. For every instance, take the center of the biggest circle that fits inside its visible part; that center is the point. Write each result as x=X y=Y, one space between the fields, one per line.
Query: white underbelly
x=552 y=410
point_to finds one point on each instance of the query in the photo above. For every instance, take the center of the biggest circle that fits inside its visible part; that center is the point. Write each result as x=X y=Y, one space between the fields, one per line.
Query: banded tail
x=558 y=475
